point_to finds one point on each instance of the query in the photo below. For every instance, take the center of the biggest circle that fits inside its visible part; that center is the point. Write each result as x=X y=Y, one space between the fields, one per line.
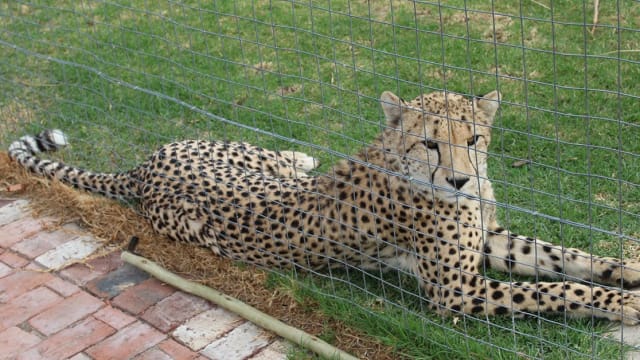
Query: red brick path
x=104 y=309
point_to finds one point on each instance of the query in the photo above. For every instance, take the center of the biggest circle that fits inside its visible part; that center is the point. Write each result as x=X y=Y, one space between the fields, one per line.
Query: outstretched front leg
x=453 y=288
x=509 y=252
x=518 y=254
x=492 y=297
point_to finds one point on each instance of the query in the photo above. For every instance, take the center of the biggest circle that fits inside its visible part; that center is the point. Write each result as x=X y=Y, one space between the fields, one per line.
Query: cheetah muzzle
x=417 y=198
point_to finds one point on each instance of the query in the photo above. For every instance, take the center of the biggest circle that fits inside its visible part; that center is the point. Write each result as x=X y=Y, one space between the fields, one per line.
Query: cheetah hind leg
x=300 y=161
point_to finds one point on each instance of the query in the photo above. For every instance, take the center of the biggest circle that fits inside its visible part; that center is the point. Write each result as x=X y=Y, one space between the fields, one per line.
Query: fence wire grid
x=122 y=78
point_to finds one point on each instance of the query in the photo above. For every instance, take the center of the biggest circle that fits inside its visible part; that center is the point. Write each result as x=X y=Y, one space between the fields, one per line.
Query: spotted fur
x=417 y=198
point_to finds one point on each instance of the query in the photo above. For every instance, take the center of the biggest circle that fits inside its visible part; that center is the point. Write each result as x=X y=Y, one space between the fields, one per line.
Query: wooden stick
x=596 y=5
x=250 y=313
x=541 y=4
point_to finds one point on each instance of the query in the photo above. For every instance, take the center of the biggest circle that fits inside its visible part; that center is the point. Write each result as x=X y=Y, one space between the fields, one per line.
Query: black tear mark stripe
x=433 y=174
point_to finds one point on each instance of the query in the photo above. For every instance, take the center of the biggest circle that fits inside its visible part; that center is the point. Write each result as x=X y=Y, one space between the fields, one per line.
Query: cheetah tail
x=25 y=150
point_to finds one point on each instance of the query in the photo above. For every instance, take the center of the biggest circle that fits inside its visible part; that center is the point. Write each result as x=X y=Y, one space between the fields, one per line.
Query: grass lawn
x=123 y=77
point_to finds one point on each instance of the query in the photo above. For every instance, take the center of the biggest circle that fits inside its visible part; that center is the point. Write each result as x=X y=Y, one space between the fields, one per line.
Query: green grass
x=96 y=70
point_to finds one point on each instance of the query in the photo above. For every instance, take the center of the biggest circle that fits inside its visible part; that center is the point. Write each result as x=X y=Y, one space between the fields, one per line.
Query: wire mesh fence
x=121 y=78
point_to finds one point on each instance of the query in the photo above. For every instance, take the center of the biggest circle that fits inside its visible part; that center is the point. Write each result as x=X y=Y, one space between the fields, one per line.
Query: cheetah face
x=441 y=140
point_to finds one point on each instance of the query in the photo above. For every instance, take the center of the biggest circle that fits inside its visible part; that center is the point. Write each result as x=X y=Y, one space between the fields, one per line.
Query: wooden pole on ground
x=248 y=312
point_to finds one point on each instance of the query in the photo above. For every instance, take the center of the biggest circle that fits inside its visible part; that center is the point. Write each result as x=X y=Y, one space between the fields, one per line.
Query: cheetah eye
x=430 y=144
x=473 y=140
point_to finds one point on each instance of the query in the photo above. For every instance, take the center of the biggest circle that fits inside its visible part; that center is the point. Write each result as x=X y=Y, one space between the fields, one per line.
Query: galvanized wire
x=103 y=78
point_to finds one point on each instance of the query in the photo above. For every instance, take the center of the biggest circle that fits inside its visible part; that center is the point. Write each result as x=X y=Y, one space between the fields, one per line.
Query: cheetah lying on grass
x=409 y=200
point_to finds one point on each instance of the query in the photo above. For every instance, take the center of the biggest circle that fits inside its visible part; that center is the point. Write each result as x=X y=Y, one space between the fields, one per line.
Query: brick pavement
x=104 y=309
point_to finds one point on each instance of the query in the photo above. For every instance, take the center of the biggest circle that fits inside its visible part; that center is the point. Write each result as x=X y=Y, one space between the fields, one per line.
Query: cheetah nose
x=458 y=182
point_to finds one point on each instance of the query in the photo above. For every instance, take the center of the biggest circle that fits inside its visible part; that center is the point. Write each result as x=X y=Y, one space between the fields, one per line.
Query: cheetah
x=417 y=198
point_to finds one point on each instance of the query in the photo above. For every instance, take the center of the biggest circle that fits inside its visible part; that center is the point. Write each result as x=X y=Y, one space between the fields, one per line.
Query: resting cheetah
x=418 y=198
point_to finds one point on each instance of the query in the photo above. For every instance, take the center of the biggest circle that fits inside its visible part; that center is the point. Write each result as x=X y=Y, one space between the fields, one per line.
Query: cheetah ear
x=392 y=107
x=489 y=103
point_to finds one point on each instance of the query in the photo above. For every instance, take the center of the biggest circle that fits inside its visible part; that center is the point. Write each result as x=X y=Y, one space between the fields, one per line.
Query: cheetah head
x=441 y=140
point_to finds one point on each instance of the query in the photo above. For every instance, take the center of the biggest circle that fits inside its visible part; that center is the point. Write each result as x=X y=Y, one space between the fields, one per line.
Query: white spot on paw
x=301 y=160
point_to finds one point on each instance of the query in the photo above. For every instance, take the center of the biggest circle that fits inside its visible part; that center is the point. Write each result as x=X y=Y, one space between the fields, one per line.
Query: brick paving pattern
x=104 y=309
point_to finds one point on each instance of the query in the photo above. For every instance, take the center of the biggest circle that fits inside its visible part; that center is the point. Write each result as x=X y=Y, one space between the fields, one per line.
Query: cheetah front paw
x=619 y=307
